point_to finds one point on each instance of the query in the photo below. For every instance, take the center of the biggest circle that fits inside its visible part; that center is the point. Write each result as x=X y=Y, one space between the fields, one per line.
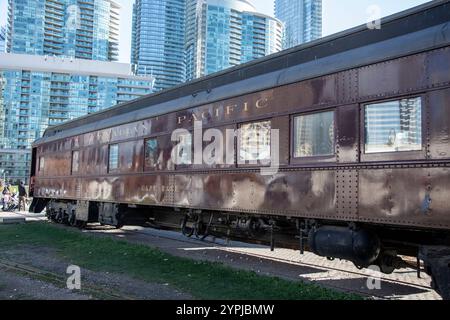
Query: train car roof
x=415 y=30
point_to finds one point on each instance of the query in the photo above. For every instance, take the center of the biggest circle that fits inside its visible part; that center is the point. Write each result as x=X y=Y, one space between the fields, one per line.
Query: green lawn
x=203 y=280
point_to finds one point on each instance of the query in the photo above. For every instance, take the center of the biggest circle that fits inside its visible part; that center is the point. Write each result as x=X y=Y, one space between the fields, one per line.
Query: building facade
x=82 y=29
x=158 y=41
x=39 y=91
x=302 y=20
x=224 y=33
x=2 y=39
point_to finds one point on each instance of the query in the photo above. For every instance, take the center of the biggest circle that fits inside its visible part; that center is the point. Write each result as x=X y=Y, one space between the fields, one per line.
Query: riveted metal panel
x=182 y=192
x=147 y=189
x=347 y=86
x=347 y=182
x=248 y=189
x=408 y=196
x=347 y=141
x=439 y=124
x=98 y=188
x=439 y=67
x=218 y=191
x=300 y=193
x=197 y=191
x=393 y=77
x=78 y=188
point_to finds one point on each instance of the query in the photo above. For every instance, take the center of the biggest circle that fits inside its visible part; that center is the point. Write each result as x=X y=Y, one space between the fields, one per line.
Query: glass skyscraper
x=59 y=66
x=2 y=39
x=302 y=20
x=82 y=29
x=158 y=41
x=39 y=91
x=225 y=33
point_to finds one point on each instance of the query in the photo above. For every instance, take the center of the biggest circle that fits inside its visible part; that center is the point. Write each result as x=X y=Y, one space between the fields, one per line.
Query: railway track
x=261 y=252
x=245 y=249
x=97 y=292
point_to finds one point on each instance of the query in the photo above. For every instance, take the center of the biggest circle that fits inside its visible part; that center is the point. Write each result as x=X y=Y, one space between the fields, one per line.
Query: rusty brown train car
x=363 y=130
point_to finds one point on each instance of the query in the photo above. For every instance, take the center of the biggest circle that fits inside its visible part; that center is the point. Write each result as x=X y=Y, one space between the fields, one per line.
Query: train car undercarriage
x=365 y=245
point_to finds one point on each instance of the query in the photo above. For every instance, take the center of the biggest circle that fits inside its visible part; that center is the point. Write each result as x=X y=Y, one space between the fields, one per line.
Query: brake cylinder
x=360 y=246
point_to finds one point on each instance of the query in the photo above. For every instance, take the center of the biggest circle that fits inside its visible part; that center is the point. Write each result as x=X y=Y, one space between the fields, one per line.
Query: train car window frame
x=74 y=169
x=116 y=167
x=293 y=138
x=252 y=162
x=393 y=155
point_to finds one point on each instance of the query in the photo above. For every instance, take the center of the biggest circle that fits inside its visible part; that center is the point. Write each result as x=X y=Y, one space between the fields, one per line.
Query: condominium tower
x=2 y=39
x=60 y=65
x=302 y=20
x=82 y=29
x=158 y=41
x=40 y=91
x=225 y=33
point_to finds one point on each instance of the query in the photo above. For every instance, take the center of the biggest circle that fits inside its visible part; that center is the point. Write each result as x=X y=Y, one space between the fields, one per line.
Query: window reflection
x=113 y=156
x=75 y=161
x=254 y=141
x=41 y=163
x=151 y=153
x=393 y=126
x=314 y=135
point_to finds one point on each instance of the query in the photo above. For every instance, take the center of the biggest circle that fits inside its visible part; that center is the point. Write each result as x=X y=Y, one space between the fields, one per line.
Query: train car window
x=75 y=161
x=41 y=163
x=113 y=157
x=314 y=135
x=151 y=153
x=183 y=154
x=254 y=141
x=393 y=126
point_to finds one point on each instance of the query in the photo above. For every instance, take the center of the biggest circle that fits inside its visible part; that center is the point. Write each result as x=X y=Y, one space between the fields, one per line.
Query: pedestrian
x=6 y=196
x=22 y=196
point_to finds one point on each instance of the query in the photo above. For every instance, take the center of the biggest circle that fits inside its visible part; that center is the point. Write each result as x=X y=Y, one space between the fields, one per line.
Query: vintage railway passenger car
x=363 y=119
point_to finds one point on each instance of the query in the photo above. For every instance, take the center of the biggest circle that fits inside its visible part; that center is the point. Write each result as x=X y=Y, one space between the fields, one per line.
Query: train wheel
x=199 y=229
x=59 y=217
x=120 y=217
x=185 y=229
x=66 y=218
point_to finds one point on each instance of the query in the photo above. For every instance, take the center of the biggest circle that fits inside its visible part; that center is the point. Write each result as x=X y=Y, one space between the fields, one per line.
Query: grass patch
x=203 y=280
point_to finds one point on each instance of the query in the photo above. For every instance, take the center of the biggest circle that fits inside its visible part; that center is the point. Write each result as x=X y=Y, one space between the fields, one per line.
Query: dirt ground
x=15 y=285
x=283 y=263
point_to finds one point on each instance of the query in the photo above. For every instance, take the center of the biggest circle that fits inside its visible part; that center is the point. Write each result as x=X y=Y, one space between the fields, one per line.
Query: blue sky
x=338 y=15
